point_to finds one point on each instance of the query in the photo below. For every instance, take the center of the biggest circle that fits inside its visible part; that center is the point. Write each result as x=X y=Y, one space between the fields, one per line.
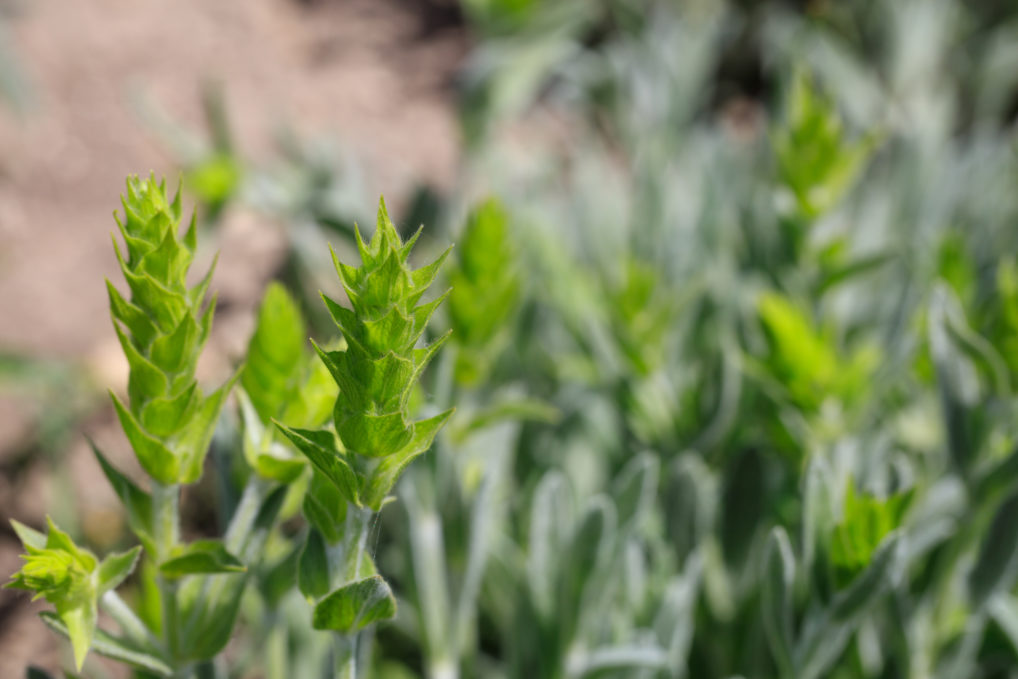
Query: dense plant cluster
x=733 y=387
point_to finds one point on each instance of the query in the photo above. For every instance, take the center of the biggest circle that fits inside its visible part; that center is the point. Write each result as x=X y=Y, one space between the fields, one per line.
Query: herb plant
x=733 y=367
x=198 y=585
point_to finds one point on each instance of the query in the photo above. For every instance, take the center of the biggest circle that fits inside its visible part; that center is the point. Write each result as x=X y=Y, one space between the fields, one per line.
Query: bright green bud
x=282 y=379
x=817 y=163
x=866 y=520
x=378 y=370
x=380 y=366
x=70 y=578
x=485 y=290
x=162 y=327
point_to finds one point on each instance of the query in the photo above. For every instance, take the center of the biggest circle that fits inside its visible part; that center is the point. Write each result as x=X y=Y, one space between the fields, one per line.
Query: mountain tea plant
x=734 y=390
x=197 y=587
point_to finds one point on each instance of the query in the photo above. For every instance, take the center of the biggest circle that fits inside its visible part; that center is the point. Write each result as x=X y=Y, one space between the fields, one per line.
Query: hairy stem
x=245 y=514
x=130 y=624
x=345 y=645
x=165 y=505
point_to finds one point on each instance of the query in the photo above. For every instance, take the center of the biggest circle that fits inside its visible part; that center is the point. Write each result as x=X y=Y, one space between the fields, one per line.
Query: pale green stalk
x=130 y=624
x=358 y=522
x=165 y=504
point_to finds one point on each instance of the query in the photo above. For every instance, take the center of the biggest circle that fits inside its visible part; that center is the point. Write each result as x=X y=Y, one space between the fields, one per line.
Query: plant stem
x=344 y=647
x=245 y=514
x=358 y=524
x=130 y=624
x=166 y=517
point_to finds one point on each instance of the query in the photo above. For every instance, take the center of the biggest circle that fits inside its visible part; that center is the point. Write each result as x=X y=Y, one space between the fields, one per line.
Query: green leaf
x=1003 y=609
x=201 y=556
x=155 y=458
x=281 y=577
x=997 y=563
x=275 y=353
x=137 y=502
x=325 y=508
x=135 y=319
x=958 y=382
x=162 y=417
x=380 y=483
x=588 y=548
x=146 y=380
x=80 y=620
x=776 y=601
x=212 y=604
x=29 y=536
x=177 y=351
x=512 y=410
x=115 y=568
x=115 y=649
x=872 y=583
x=193 y=443
x=816 y=162
x=269 y=459
x=313 y=567
x=866 y=520
x=65 y=575
x=551 y=518
x=371 y=435
x=355 y=606
x=319 y=447
x=636 y=489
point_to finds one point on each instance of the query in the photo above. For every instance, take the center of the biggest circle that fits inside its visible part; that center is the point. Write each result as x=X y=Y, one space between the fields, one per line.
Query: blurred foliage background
x=735 y=313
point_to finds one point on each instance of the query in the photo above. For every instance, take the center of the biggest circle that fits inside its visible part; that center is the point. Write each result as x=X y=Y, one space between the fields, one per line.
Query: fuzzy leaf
x=155 y=458
x=275 y=353
x=201 y=556
x=389 y=469
x=193 y=443
x=137 y=502
x=115 y=568
x=320 y=449
x=355 y=606
x=115 y=649
x=313 y=567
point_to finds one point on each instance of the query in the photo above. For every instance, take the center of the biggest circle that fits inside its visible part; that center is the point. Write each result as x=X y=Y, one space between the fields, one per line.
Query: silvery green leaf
x=551 y=518
x=674 y=621
x=996 y=565
x=313 y=567
x=777 y=598
x=623 y=657
x=1003 y=609
x=210 y=604
x=200 y=556
x=870 y=585
x=820 y=647
x=590 y=546
x=742 y=506
x=636 y=488
x=957 y=381
x=354 y=606
x=689 y=498
x=817 y=508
